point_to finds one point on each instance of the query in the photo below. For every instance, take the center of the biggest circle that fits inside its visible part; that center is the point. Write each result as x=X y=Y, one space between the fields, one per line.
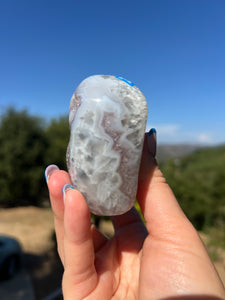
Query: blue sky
x=173 y=50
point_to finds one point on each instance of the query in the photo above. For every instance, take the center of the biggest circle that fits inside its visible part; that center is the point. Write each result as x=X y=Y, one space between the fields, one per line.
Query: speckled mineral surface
x=107 y=123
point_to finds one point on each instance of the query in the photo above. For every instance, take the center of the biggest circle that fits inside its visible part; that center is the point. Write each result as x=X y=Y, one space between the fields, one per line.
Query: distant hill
x=166 y=151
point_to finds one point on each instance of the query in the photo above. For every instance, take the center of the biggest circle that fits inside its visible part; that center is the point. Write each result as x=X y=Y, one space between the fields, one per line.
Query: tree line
x=198 y=181
x=27 y=145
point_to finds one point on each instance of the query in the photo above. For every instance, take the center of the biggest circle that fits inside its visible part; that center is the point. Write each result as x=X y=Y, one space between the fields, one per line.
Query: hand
x=165 y=259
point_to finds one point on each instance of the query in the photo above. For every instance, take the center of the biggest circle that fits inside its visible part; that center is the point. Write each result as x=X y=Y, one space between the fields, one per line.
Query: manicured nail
x=49 y=170
x=125 y=80
x=152 y=142
x=151 y=131
x=67 y=187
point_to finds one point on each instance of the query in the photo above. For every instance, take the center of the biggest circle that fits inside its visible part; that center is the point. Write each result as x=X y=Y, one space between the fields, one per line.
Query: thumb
x=155 y=197
x=172 y=241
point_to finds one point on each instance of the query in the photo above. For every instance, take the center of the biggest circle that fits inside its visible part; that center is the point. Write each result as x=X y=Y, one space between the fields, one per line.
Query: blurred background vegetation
x=30 y=143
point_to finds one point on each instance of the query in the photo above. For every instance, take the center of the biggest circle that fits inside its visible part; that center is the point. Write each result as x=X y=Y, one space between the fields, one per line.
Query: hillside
x=198 y=182
x=166 y=151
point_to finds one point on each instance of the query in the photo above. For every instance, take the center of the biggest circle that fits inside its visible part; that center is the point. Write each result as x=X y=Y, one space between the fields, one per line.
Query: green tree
x=198 y=183
x=57 y=134
x=22 y=148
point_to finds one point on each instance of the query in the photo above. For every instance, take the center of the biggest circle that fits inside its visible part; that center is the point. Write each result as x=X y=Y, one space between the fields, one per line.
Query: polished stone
x=107 y=124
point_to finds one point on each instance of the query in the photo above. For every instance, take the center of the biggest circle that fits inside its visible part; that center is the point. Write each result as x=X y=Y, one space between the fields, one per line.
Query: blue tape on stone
x=125 y=80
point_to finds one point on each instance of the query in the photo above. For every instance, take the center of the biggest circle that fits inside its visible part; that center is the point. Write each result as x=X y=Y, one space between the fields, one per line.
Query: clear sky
x=173 y=50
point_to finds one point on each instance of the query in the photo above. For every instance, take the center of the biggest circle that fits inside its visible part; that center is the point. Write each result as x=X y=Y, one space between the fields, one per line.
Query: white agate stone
x=107 y=124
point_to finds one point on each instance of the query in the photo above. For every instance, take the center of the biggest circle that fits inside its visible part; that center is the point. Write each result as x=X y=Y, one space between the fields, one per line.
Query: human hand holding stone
x=163 y=260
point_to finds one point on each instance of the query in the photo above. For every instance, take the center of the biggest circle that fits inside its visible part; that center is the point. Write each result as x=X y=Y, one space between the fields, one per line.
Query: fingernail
x=152 y=142
x=67 y=187
x=125 y=80
x=152 y=131
x=49 y=170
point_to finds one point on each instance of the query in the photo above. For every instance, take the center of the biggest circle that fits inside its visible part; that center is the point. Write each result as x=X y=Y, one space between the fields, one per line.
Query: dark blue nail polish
x=151 y=131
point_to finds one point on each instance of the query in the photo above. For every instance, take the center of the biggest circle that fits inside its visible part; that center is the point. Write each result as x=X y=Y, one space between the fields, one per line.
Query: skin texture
x=165 y=259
